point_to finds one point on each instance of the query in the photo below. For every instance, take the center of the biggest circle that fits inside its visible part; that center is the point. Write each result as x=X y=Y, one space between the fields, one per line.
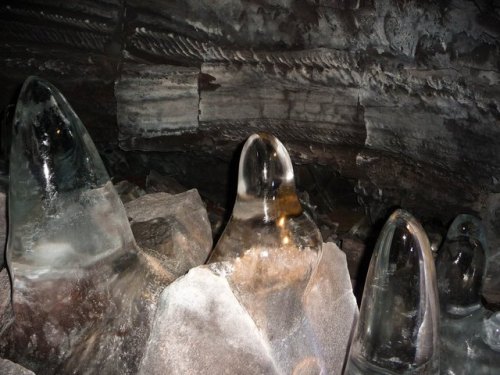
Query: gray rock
x=173 y=228
x=6 y=313
x=204 y=325
x=414 y=85
x=157 y=183
x=356 y=251
x=490 y=215
x=10 y=368
x=3 y=227
x=152 y=100
x=128 y=191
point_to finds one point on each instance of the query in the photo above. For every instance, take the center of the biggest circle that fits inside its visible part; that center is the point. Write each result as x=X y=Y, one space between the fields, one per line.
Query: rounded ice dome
x=266 y=186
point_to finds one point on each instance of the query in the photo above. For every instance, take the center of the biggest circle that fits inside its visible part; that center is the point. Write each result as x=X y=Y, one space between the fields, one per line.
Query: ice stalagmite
x=75 y=271
x=397 y=332
x=64 y=214
x=467 y=329
x=273 y=300
x=275 y=247
x=460 y=266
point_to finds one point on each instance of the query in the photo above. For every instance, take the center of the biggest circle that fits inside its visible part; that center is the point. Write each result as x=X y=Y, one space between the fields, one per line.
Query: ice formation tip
x=63 y=209
x=266 y=184
x=267 y=214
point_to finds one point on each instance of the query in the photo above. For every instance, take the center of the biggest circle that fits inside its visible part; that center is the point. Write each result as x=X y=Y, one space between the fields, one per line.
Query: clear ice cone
x=460 y=266
x=273 y=248
x=63 y=210
x=397 y=331
x=69 y=237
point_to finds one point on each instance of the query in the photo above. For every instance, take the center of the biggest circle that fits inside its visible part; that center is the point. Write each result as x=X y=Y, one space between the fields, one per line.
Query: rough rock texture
x=151 y=95
x=398 y=98
x=173 y=228
x=6 y=313
x=10 y=368
x=490 y=215
x=156 y=183
x=3 y=227
x=128 y=191
x=204 y=324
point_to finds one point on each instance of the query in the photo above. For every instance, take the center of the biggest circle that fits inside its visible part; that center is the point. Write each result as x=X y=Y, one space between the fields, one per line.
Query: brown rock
x=173 y=228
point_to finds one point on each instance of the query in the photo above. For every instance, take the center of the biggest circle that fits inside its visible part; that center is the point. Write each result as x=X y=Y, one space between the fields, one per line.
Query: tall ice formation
x=397 y=331
x=81 y=292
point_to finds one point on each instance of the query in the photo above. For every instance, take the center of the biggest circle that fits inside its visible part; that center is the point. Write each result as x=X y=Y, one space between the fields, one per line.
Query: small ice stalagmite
x=71 y=253
x=397 y=332
x=460 y=266
x=465 y=327
x=273 y=300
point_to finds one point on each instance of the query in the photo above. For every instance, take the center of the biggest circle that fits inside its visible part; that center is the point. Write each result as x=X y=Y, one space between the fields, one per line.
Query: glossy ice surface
x=267 y=214
x=82 y=294
x=491 y=331
x=397 y=332
x=468 y=344
x=460 y=266
x=63 y=210
x=271 y=276
x=274 y=245
x=467 y=331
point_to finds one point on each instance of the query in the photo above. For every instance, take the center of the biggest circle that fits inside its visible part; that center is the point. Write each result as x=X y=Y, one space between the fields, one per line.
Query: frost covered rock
x=173 y=228
x=203 y=324
x=200 y=328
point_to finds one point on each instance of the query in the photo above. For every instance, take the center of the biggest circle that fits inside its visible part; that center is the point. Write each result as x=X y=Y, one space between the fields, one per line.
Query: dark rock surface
x=172 y=228
x=6 y=313
x=3 y=227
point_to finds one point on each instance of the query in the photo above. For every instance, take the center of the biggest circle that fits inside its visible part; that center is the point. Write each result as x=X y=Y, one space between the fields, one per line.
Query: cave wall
x=398 y=99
